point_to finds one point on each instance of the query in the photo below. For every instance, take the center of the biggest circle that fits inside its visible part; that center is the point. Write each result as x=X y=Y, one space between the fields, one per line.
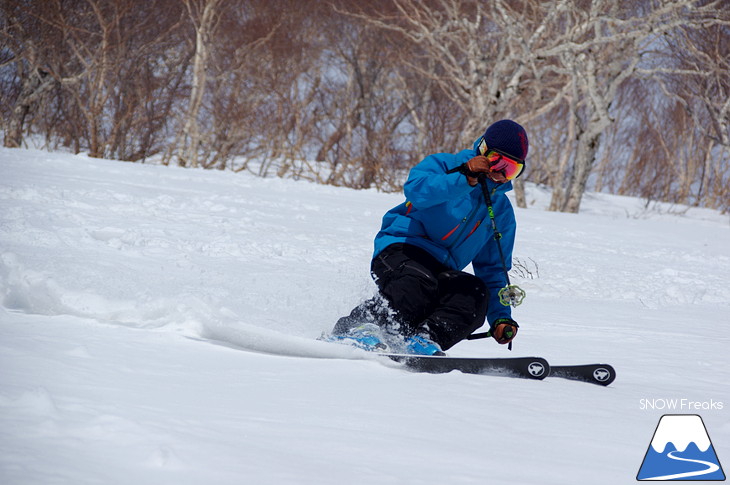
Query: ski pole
x=510 y=294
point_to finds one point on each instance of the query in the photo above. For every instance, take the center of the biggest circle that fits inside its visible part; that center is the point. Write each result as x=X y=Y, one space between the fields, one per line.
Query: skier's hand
x=479 y=164
x=474 y=167
x=504 y=330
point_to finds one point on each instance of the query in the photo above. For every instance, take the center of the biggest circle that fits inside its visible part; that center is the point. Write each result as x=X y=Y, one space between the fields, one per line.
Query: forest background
x=629 y=97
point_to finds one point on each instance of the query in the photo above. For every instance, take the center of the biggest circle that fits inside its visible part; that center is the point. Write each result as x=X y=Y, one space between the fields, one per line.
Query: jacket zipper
x=462 y=227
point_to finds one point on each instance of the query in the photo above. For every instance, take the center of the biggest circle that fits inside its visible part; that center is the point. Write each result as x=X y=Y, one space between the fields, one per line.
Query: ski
x=536 y=368
x=601 y=374
x=526 y=367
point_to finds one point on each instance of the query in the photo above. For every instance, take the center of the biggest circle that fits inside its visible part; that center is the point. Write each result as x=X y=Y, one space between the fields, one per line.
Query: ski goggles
x=511 y=167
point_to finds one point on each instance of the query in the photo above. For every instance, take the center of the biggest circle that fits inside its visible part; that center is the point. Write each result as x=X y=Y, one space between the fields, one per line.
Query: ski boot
x=422 y=345
x=367 y=336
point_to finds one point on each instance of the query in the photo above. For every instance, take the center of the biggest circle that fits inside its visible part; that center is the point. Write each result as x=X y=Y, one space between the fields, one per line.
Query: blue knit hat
x=509 y=137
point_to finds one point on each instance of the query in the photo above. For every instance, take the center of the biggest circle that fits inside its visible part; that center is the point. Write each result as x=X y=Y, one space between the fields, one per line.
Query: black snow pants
x=420 y=295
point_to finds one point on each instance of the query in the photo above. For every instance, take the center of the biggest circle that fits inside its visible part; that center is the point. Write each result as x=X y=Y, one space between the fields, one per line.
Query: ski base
x=526 y=367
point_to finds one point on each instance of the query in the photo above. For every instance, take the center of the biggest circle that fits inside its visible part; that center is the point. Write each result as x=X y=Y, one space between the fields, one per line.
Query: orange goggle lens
x=499 y=162
x=511 y=167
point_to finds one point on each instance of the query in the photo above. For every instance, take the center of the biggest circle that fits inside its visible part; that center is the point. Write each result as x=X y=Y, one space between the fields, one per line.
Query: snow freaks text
x=676 y=404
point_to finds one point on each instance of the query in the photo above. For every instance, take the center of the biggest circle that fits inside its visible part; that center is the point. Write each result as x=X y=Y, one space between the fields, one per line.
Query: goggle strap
x=482 y=146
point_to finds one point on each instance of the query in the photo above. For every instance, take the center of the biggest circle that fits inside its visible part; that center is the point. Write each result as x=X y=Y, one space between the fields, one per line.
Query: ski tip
x=604 y=374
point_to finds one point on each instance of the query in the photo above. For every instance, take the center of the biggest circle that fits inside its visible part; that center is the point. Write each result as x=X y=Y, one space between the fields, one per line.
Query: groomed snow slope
x=157 y=326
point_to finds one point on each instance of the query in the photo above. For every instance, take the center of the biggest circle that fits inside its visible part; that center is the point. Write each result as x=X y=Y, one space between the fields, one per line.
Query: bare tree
x=700 y=83
x=100 y=60
x=484 y=56
x=524 y=59
x=353 y=104
x=353 y=94
x=599 y=48
x=204 y=15
x=21 y=40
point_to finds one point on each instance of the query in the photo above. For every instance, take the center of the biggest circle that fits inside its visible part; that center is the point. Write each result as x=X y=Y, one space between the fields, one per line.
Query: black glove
x=504 y=330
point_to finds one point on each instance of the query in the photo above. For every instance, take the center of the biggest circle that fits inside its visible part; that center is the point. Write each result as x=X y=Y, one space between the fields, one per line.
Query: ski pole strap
x=490 y=332
x=476 y=336
x=464 y=170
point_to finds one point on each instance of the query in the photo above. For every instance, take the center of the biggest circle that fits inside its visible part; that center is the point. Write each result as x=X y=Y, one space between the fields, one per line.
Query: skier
x=426 y=303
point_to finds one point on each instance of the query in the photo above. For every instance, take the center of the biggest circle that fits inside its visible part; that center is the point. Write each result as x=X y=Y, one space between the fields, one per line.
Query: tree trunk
x=33 y=88
x=520 y=194
x=190 y=138
x=585 y=158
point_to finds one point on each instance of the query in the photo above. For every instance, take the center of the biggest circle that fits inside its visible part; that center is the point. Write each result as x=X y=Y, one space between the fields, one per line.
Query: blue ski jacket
x=447 y=217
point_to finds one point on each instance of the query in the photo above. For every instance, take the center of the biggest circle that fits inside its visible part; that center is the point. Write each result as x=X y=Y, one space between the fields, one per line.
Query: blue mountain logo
x=681 y=450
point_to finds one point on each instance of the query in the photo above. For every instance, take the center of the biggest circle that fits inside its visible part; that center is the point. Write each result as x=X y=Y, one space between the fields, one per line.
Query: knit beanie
x=509 y=137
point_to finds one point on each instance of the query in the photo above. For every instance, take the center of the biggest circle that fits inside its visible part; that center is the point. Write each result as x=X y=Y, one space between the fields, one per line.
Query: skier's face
x=503 y=167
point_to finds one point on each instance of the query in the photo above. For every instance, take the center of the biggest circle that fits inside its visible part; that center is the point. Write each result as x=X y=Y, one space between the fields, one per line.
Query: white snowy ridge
x=681 y=430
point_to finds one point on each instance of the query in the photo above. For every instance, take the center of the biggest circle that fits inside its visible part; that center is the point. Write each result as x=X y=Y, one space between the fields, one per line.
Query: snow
x=680 y=431
x=158 y=325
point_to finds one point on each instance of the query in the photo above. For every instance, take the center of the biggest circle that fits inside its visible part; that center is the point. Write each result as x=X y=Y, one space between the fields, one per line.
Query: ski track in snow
x=116 y=279
x=711 y=468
